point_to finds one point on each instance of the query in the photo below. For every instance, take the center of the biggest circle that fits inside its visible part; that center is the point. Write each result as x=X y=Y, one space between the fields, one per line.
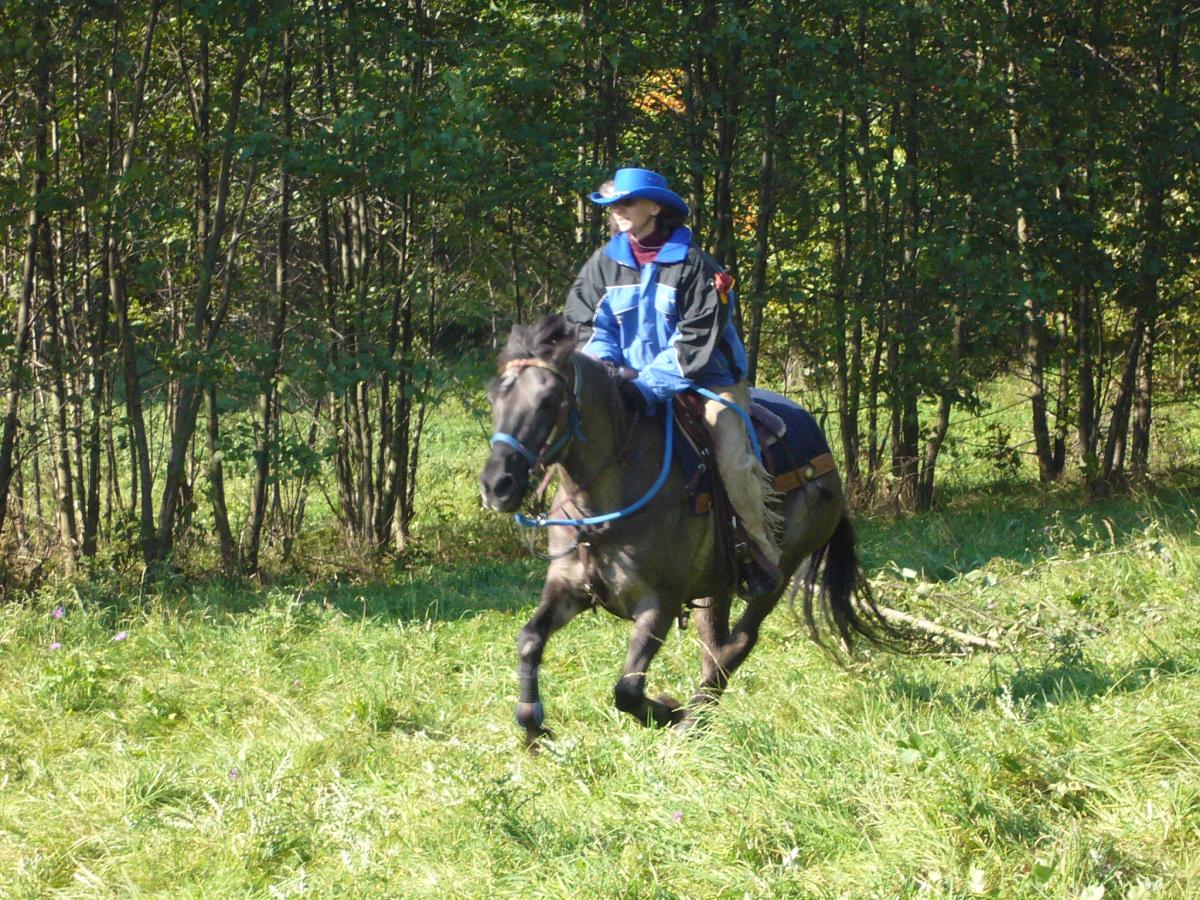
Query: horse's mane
x=552 y=340
x=549 y=340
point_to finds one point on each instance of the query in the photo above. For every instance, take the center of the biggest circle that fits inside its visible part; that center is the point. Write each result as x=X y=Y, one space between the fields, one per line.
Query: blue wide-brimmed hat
x=632 y=183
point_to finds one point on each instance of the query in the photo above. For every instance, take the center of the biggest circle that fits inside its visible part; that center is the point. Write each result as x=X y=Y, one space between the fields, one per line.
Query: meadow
x=348 y=732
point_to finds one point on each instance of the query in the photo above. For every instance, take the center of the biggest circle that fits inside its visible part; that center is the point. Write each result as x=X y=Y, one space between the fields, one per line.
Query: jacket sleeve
x=703 y=316
x=584 y=298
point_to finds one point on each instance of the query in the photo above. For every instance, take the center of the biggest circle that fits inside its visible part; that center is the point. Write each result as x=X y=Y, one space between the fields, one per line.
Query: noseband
x=548 y=453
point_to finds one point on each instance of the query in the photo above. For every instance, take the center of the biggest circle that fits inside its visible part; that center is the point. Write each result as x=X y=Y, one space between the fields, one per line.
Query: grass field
x=354 y=736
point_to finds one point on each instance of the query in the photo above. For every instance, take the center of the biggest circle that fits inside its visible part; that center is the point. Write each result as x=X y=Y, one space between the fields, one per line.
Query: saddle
x=794 y=452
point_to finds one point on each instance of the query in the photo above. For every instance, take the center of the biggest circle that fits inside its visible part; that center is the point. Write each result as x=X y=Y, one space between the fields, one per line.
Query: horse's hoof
x=675 y=713
x=534 y=738
x=697 y=713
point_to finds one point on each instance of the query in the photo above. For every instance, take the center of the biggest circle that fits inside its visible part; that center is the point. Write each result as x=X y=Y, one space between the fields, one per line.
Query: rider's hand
x=621 y=371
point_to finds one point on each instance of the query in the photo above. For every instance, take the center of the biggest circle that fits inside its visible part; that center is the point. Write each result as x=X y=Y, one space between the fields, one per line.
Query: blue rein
x=543 y=522
x=574 y=429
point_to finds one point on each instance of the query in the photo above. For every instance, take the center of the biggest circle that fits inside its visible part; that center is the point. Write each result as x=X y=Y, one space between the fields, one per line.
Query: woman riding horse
x=660 y=309
x=638 y=548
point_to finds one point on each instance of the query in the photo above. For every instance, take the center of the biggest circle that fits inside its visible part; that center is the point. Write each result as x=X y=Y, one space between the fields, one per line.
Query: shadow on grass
x=1028 y=527
x=428 y=594
x=1057 y=681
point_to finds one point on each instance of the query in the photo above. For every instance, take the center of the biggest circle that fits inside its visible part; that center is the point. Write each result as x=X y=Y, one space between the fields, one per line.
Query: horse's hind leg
x=561 y=602
x=711 y=616
x=651 y=624
x=811 y=515
x=744 y=636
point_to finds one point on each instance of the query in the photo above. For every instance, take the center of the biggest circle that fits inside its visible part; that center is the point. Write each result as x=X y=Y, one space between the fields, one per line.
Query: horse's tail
x=836 y=592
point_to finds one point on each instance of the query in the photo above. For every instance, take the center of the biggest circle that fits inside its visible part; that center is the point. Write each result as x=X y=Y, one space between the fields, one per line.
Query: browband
x=517 y=365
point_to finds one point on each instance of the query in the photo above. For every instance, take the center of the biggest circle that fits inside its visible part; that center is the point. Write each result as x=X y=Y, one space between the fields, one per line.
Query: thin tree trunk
x=188 y=405
x=96 y=305
x=262 y=451
x=54 y=356
x=1142 y=404
x=115 y=281
x=903 y=349
x=766 y=212
x=216 y=481
x=1034 y=338
x=843 y=250
x=18 y=374
x=941 y=423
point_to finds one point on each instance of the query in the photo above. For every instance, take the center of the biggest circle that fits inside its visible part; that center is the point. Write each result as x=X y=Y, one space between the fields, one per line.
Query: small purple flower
x=295 y=682
x=59 y=612
x=120 y=635
x=677 y=816
x=55 y=645
x=234 y=773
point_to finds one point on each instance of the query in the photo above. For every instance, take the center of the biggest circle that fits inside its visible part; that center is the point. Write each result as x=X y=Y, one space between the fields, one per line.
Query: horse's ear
x=517 y=346
x=555 y=341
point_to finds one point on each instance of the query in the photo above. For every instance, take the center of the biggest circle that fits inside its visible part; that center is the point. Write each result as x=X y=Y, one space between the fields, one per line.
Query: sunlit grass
x=357 y=739
x=353 y=735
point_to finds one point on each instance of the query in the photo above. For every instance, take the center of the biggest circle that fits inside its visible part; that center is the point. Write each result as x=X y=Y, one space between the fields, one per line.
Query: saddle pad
x=799 y=456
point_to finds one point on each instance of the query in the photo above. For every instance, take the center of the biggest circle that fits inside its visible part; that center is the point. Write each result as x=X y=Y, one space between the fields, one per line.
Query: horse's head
x=532 y=410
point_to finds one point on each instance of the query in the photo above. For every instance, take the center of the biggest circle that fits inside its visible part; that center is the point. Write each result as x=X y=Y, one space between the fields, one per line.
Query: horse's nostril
x=504 y=486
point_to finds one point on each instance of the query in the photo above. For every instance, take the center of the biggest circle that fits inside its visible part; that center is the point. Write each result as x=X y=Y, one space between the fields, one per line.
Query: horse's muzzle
x=503 y=482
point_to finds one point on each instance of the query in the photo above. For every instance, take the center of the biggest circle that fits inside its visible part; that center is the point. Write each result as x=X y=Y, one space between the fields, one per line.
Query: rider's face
x=636 y=215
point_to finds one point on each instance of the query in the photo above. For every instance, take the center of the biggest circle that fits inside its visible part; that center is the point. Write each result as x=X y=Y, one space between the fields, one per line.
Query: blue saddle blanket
x=802 y=440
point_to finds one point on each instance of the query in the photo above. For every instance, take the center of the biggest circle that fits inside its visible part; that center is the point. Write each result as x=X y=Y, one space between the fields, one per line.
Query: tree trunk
x=766 y=207
x=903 y=349
x=941 y=424
x=216 y=481
x=188 y=407
x=1034 y=337
x=266 y=399
x=115 y=282
x=1142 y=405
x=18 y=374
x=55 y=360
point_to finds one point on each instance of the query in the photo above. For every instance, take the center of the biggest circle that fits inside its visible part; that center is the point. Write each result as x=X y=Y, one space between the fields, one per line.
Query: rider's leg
x=746 y=481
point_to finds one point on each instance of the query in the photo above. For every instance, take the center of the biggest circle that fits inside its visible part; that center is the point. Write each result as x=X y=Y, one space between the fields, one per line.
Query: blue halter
x=574 y=427
x=543 y=522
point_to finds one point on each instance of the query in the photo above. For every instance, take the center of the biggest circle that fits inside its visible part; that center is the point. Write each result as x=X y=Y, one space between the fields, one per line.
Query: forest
x=262 y=242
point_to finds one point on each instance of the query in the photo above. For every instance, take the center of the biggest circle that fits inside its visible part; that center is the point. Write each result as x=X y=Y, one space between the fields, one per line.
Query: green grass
x=353 y=736
x=357 y=739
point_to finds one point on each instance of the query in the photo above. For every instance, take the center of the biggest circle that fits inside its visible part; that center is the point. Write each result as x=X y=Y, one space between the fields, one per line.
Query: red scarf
x=646 y=249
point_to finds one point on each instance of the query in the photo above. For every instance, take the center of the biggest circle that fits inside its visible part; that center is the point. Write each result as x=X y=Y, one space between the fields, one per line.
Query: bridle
x=551 y=451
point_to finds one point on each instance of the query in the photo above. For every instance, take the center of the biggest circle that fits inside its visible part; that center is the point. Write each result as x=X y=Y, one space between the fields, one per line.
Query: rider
x=660 y=308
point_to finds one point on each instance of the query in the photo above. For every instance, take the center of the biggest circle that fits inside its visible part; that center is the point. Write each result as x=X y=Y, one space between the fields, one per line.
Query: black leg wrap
x=530 y=716
x=528 y=681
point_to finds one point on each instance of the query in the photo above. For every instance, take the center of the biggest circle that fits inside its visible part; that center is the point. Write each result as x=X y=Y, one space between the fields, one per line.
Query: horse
x=554 y=405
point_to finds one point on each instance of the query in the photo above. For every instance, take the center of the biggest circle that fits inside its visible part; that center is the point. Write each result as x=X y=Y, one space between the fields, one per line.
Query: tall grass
x=353 y=736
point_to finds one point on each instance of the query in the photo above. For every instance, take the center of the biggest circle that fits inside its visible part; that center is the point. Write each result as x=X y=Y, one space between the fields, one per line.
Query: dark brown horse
x=554 y=405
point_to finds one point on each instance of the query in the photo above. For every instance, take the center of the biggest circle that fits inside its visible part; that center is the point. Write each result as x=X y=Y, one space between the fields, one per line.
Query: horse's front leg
x=561 y=601
x=651 y=623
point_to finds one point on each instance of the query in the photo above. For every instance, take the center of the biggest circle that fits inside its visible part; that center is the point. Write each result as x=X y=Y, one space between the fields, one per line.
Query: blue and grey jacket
x=666 y=319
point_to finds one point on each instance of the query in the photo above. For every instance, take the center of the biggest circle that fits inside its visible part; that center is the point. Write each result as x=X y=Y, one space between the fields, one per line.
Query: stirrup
x=758 y=577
